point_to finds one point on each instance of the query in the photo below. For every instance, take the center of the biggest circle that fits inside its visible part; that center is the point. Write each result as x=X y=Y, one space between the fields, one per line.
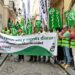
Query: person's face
x=73 y=29
x=57 y=31
x=35 y=30
x=46 y=29
x=5 y=28
x=65 y=29
x=41 y=29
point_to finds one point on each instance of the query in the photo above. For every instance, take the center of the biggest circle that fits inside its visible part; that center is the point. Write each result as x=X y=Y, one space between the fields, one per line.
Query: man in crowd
x=34 y=58
x=66 y=49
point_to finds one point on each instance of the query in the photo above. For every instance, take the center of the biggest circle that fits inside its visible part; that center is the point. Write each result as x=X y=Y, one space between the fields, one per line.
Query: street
x=10 y=67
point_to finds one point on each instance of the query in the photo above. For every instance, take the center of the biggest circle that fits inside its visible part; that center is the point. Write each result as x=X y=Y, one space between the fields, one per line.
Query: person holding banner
x=44 y=32
x=39 y=58
x=20 y=57
x=60 y=52
x=72 y=38
x=34 y=58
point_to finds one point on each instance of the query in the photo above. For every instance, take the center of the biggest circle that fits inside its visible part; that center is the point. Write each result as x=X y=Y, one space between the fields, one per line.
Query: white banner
x=43 y=10
x=12 y=44
x=26 y=9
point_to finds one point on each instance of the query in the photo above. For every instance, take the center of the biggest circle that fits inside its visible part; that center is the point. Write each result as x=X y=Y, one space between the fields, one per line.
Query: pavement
x=3 y=58
x=70 y=70
x=12 y=67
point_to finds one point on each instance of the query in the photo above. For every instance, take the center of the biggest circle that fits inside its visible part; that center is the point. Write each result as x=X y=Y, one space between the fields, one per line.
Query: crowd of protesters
x=66 y=53
x=66 y=45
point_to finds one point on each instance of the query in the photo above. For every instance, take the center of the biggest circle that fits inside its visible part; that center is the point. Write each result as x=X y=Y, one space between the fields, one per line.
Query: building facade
x=7 y=10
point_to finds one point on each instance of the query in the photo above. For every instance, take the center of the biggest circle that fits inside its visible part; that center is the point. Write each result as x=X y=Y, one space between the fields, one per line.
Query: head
x=51 y=30
x=66 y=28
x=9 y=19
x=20 y=31
x=45 y=28
x=41 y=29
x=58 y=29
x=35 y=30
x=73 y=28
x=5 y=28
x=17 y=22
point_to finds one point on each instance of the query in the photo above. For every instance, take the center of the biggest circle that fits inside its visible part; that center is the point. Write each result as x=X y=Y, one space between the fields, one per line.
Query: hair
x=51 y=30
x=46 y=28
x=59 y=29
x=35 y=30
x=73 y=26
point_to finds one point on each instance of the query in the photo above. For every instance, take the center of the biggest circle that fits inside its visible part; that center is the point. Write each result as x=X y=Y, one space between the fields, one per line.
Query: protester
x=39 y=58
x=60 y=53
x=72 y=37
x=67 y=57
x=20 y=57
x=35 y=31
x=44 y=57
x=34 y=58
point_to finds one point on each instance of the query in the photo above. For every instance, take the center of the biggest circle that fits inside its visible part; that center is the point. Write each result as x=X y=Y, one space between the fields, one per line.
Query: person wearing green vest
x=65 y=43
x=14 y=32
x=72 y=43
x=13 y=29
x=38 y=24
x=60 y=53
x=5 y=30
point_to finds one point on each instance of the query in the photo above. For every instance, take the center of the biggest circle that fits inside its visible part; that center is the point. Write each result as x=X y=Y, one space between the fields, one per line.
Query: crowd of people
x=66 y=43
x=14 y=29
x=66 y=46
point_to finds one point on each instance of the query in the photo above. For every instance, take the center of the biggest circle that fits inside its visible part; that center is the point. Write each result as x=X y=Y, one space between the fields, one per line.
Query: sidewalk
x=70 y=70
x=2 y=58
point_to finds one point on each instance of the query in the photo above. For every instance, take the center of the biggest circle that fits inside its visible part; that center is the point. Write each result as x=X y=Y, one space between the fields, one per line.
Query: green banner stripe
x=35 y=51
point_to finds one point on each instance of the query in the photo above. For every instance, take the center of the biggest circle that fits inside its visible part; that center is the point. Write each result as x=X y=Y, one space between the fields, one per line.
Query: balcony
x=12 y=8
x=11 y=5
x=2 y=1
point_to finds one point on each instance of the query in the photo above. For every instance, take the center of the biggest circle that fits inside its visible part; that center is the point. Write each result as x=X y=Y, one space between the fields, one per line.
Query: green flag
x=54 y=19
x=38 y=24
x=29 y=27
x=9 y=24
x=70 y=17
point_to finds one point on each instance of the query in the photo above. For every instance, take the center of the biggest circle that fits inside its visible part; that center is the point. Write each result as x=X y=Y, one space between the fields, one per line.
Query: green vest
x=3 y=31
x=14 y=32
x=66 y=42
x=59 y=42
x=72 y=44
x=8 y=32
